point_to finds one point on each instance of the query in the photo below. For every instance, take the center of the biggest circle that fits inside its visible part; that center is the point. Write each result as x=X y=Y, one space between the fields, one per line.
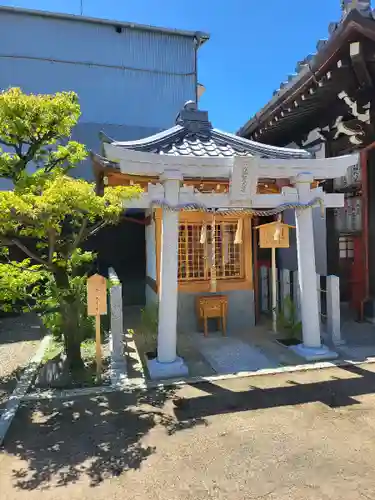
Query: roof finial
x=192 y=118
x=192 y=105
x=363 y=6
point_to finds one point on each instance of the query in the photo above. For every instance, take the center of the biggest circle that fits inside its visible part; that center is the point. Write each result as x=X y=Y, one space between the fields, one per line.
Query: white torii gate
x=243 y=173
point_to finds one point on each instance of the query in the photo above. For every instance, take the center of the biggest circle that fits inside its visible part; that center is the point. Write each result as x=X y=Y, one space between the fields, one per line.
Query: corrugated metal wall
x=107 y=95
x=132 y=83
x=135 y=77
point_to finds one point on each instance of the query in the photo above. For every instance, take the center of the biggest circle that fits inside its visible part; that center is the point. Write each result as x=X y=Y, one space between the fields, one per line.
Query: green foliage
x=59 y=212
x=287 y=319
x=34 y=128
x=49 y=215
x=150 y=322
x=49 y=302
x=20 y=285
x=24 y=286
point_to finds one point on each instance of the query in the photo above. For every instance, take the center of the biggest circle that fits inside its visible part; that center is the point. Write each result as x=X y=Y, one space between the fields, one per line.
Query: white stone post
x=167 y=363
x=333 y=310
x=311 y=348
x=118 y=361
x=117 y=329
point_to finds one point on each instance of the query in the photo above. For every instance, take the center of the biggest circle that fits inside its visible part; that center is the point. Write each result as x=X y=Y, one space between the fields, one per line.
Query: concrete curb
x=22 y=387
x=140 y=384
x=259 y=373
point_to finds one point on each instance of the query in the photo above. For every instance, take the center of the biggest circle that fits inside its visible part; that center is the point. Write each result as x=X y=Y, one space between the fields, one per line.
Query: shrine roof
x=193 y=135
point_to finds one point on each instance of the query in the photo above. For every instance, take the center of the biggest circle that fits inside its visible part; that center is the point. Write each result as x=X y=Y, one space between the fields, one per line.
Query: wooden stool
x=212 y=306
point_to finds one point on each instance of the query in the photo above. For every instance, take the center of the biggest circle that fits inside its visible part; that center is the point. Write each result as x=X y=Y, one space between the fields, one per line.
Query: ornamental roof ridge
x=193 y=135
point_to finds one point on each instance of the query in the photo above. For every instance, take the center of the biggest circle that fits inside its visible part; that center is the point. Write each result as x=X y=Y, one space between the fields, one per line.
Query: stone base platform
x=314 y=353
x=160 y=371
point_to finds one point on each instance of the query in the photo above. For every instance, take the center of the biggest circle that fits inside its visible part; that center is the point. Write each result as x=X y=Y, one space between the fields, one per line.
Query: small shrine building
x=204 y=192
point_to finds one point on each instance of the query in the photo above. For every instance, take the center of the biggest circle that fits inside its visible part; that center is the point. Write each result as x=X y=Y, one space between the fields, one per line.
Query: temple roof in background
x=317 y=78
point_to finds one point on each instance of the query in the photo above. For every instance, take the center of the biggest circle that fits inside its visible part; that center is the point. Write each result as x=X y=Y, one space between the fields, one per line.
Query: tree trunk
x=73 y=352
x=70 y=323
x=72 y=334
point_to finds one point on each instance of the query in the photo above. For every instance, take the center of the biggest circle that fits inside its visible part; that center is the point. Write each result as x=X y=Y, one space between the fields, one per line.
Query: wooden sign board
x=274 y=235
x=96 y=295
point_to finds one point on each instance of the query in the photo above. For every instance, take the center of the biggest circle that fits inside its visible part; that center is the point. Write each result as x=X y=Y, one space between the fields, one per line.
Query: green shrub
x=287 y=319
x=150 y=322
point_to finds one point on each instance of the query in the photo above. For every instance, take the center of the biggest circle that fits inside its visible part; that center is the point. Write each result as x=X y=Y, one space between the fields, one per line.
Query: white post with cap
x=168 y=363
x=311 y=347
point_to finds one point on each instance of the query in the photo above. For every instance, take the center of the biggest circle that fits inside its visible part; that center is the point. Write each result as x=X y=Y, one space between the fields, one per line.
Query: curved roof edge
x=193 y=135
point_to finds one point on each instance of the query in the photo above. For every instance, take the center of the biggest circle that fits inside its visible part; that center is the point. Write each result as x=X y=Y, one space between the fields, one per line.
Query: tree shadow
x=89 y=437
x=8 y=383
x=21 y=328
x=96 y=438
x=334 y=393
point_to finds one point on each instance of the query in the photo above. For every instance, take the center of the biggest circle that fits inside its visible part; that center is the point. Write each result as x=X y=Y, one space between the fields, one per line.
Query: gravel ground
x=306 y=435
x=19 y=340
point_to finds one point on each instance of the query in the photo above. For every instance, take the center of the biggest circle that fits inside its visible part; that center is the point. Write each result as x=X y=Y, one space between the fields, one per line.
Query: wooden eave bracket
x=359 y=65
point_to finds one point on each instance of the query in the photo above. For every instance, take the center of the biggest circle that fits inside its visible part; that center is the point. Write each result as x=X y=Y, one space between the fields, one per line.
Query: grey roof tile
x=194 y=135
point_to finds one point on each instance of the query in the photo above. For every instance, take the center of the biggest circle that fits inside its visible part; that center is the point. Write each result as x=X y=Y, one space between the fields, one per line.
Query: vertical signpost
x=274 y=235
x=96 y=306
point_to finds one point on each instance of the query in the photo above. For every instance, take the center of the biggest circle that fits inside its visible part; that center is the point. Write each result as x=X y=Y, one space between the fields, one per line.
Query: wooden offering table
x=212 y=306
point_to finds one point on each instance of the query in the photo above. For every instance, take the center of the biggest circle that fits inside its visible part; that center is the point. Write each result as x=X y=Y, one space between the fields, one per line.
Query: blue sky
x=254 y=44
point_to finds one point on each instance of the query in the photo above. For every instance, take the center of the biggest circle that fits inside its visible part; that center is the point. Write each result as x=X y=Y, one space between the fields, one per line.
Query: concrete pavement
x=306 y=435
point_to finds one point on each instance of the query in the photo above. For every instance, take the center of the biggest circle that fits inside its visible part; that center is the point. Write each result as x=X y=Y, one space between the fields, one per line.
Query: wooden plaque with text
x=96 y=295
x=274 y=235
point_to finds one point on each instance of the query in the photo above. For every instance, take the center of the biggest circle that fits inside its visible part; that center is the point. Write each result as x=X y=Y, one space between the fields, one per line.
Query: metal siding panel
x=98 y=44
x=106 y=95
x=88 y=134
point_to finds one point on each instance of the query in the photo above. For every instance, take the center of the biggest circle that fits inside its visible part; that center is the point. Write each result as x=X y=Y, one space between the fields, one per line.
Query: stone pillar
x=167 y=363
x=117 y=329
x=167 y=335
x=118 y=360
x=333 y=310
x=311 y=348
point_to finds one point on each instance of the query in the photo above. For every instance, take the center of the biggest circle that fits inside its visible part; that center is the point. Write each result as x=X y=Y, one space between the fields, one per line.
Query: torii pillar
x=311 y=347
x=168 y=364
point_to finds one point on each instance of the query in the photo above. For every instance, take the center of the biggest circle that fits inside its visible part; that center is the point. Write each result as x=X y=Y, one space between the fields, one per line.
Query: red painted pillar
x=357 y=275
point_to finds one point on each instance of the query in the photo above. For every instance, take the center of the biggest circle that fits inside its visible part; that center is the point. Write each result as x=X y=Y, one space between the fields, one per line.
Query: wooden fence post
x=333 y=310
x=319 y=287
x=264 y=289
x=296 y=295
x=285 y=290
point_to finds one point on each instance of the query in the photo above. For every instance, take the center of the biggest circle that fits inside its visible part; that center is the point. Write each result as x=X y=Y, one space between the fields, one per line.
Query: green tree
x=48 y=215
x=34 y=129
